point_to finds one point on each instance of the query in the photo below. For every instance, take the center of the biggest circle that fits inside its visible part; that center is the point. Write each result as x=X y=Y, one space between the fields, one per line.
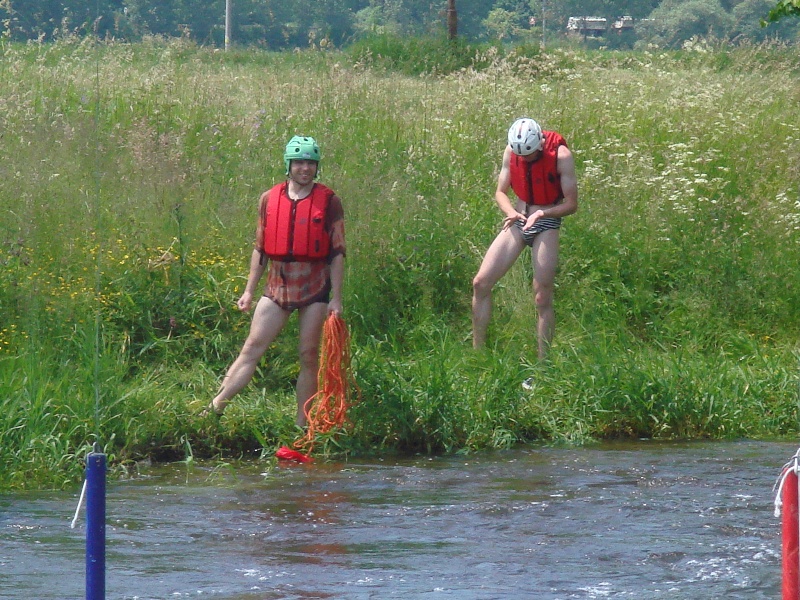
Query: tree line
x=281 y=24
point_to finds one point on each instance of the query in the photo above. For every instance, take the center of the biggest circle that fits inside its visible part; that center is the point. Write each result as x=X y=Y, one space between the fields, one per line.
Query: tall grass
x=128 y=189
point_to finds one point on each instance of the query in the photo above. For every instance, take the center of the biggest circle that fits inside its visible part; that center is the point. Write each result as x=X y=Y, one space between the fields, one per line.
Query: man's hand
x=511 y=219
x=335 y=307
x=245 y=302
x=529 y=222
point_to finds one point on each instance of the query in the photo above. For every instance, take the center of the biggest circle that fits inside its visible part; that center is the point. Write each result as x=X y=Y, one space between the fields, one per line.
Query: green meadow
x=129 y=184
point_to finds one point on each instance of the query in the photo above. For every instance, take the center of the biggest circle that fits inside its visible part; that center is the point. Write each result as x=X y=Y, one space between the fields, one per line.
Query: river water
x=638 y=520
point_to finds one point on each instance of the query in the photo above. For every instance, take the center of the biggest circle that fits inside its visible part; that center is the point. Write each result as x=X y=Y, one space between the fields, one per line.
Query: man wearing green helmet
x=300 y=239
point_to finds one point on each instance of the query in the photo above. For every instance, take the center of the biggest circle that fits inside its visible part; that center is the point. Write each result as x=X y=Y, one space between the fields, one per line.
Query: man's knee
x=481 y=286
x=309 y=356
x=252 y=349
x=543 y=297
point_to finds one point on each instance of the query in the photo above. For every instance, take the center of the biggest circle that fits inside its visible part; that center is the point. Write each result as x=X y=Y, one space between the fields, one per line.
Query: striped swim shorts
x=541 y=225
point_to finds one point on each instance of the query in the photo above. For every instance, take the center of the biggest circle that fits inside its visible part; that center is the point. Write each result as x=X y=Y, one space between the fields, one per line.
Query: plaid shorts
x=293 y=285
x=541 y=225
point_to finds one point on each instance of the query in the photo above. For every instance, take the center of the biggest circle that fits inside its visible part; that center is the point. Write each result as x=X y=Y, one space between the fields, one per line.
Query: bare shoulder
x=504 y=176
x=335 y=208
x=566 y=161
x=564 y=153
x=506 y=164
x=506 y=156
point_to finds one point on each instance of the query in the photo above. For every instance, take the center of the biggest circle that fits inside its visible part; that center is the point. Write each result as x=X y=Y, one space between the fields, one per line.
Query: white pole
x=543 y=20
x=228 y=23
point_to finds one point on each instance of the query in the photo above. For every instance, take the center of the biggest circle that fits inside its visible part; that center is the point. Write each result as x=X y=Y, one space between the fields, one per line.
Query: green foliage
x=416 y=56
x=784 y=8
x=503 y=25
x=325 y=24
x=438 y=395
x=750 y=24
x=675 y=21
x=608 y=8
x=604 y=391
x=129 y=188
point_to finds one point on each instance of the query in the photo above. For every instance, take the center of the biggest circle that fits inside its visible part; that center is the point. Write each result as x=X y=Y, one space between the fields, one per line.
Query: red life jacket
x=539 y=182
x=295 y=229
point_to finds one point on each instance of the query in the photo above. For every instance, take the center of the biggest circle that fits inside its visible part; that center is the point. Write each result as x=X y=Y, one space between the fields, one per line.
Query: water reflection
x=644 y=520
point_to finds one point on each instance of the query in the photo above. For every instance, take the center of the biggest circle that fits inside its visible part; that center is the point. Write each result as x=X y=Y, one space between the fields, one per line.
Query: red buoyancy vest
x=295 y=229
x=539 y=182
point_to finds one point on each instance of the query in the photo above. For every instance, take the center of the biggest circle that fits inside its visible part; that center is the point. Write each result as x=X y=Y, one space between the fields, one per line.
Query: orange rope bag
x=327 y=409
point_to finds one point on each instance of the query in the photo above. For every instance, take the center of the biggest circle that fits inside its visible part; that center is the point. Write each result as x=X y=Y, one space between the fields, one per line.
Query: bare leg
x=545 y=262
x=505 y=249
x=312 y=319
x=268 y=321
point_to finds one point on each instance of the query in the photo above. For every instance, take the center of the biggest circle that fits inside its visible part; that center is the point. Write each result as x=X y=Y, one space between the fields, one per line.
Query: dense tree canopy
x=785 y=8
x=675 y=21
x=280 y=24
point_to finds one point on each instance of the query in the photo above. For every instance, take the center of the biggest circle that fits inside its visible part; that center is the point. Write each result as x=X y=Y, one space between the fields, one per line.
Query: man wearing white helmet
x=540 y=170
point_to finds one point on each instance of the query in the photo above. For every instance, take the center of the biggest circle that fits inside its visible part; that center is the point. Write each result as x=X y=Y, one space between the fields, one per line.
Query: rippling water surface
x=636 y=520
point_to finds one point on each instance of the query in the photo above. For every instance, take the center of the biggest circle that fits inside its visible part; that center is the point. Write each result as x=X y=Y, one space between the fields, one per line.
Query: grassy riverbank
x=129 y=185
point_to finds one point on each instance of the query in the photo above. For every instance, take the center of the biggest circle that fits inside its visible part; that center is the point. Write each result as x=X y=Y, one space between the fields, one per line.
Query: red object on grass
x=327 y=409
x=287 y=453
x=791 y=538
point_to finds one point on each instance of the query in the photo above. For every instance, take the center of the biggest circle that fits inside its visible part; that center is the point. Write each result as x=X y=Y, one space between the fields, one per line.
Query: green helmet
x=301 y=147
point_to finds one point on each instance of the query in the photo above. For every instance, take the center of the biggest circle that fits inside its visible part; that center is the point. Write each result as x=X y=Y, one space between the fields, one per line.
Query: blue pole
x=95 y=526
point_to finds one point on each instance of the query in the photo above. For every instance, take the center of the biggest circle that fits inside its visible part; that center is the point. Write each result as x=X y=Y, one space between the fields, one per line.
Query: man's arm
x=338 y=246
x=258 y=260
x=569 y=183
x=258 y=264
x=501 y=193
x=337 y=278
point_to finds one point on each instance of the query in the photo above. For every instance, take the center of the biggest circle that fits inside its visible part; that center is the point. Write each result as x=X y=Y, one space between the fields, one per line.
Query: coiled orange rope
x=327 y=409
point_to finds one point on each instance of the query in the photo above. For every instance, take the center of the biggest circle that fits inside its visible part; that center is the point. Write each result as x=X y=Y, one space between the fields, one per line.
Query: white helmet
x=525 y=137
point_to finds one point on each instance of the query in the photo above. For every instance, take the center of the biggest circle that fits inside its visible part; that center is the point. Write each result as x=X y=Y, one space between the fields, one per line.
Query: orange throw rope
x=327 y=409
